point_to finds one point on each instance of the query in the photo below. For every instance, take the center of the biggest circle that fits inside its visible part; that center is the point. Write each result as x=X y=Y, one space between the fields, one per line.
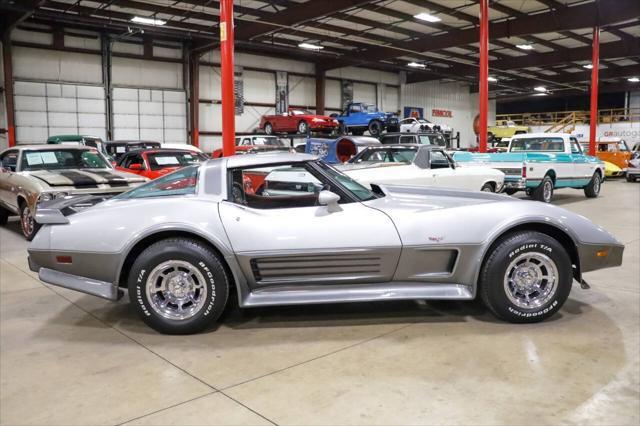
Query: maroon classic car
x=297 y=120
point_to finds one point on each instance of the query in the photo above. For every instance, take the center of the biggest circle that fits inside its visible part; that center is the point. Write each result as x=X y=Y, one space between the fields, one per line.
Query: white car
x=182 y=146
x=417 y=125
x=419 y=165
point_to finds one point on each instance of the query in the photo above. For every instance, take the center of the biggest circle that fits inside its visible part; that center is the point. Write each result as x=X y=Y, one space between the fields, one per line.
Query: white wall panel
x=209 y=82
x=302 y=91
x=4 y=142
x=391 y=100
x=332 y=94
x=53 y=65
x=46 y=109
x=82 y=42
x=365 y=74
x=165 y=52
x=143 y=73
x=158 y=115
x=31 y=36
x=259 y=87
x=364 y=93
x=263 y=62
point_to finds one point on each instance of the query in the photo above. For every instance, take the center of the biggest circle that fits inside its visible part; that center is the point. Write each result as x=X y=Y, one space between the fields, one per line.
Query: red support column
x=8 y=87
x=227 y=70
x=484 y=74
x=595 y=62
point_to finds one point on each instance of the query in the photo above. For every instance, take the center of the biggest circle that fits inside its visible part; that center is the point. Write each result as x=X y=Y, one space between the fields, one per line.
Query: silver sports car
x=289 y=229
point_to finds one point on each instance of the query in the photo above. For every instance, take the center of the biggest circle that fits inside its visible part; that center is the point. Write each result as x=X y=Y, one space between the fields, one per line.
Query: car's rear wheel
x=593 y=187
x=510 y=191
x=178 y=286
x=488 y=187
x=303 y=128
x=375 y=128
x=342 y=128
x=268 y=128
x=4 y=216
x=526 y=278
x=27 y=222
x=544 y=191
x=631 y=178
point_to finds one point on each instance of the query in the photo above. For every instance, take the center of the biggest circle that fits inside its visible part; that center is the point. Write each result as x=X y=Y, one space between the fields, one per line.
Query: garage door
x=46 y=109
x=146 y=114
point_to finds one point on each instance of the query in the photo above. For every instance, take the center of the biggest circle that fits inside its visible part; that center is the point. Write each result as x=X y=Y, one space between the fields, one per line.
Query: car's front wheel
x=488 y=187
x=526 y=278
x=375 y=128
x=178 y=286
x=268 y=128
x=303 y=128
x=593 y=187
x=27 y=222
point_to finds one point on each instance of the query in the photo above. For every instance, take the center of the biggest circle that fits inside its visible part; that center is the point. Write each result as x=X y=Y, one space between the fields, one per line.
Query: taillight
x=524 y=171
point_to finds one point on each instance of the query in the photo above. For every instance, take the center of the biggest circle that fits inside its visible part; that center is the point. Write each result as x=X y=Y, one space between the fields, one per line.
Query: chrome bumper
x=101 y=289
x=515 y=184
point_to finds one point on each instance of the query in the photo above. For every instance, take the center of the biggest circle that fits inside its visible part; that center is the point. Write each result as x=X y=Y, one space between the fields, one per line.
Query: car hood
x=85 y=177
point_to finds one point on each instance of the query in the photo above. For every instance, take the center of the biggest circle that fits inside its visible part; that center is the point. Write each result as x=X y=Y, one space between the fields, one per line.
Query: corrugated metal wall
x=454 y=97
x=4 y=142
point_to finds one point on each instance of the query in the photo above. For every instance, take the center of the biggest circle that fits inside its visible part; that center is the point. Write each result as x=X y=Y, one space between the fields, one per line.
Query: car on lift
x=284 y=229
x=538 y=163
x=506 y=129
x=31 y=174
x=421 y=125
x=153 y=163
x=297 y=120
x=421 y=165
x=253 y=144
x=359 y=117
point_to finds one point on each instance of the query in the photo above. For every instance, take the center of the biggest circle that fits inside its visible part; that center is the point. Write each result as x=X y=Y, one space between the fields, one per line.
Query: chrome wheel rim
x=268 y=129
x=547 y=190
x=302 y=128
x=531 y=280
x=26 y=221
x=176 y=290
x=487 y=189
x=596 y=184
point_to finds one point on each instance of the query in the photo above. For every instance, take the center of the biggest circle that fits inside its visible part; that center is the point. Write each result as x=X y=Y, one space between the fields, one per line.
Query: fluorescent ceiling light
x=587 y=66
x=416 y=65
x=427 y=17
x=310 y=46
x=492 y=79
x=540 y=89
x=524 y=46
x=148 y=21
x=633 y=79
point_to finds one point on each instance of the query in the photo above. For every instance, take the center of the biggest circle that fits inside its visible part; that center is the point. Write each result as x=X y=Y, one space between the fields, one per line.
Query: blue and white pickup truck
x=540 y=162
x=359 y=117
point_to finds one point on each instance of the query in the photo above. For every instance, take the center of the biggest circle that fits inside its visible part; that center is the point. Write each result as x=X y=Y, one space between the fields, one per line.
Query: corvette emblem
x=436 y=239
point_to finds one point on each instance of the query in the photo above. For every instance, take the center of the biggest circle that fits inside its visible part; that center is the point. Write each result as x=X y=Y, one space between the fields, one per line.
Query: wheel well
x=492 y=183
x=141 y=245
x=552 y=175
x=556 y=233
x=21 y=202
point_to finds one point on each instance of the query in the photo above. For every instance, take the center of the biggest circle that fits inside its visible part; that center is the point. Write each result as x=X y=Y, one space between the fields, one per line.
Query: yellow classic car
x=506 y=129
x=611 y=170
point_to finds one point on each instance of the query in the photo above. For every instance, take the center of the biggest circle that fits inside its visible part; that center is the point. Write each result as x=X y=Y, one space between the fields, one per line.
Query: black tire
x=303 y=128
x=28 y=224
x=510 y=191
x=342 y=128
x=268 y=128
x=499 y=291
x=4 y=216
x=631 y=178
x=544 y=191
x=593 y=187
x=358 y=132
x=375 y=128
x=488 y=187
x=182 y=254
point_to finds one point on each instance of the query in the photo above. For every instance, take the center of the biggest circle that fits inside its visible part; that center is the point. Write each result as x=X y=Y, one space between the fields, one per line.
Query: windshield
x=267 y=141
x=369 y=108
x=433 y=140
x=622 y=146
x=181 y=182
x=63 y=159
x=538 y=144
x=164 y=159
x=361 y=193
x=300 y=112
x=401 y=155
x=117 y=149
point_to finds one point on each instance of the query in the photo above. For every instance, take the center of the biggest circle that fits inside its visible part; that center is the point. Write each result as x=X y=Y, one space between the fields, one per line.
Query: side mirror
x=329 y=199
x=136 y=166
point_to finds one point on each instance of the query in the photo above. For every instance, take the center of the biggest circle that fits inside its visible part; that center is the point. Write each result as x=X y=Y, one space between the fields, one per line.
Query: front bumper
x=90 y=286
x=323 y=126
x=599 y=256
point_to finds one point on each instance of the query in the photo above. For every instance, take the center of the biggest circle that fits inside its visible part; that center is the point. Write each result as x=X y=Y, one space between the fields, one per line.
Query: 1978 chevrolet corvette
x=289 y=229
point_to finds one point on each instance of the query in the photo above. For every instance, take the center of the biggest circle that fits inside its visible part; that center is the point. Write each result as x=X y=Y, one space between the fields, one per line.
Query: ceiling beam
x=603 y=12
x=616 y=87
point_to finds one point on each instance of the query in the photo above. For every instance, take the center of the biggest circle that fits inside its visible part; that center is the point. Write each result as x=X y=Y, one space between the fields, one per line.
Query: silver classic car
x=31 y=174
x=285 y=229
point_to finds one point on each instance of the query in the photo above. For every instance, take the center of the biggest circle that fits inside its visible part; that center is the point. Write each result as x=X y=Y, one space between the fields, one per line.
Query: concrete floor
x=68 y=358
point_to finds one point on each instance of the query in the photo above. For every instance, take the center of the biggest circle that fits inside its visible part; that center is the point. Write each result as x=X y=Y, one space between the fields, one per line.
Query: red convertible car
x=153 y=163
x=298 y=121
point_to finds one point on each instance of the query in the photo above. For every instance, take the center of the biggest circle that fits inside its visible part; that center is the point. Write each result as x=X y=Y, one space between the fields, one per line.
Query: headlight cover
x=48 y=196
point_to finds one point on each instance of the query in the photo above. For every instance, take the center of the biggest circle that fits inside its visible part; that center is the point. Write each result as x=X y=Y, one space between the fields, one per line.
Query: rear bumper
x=85 y=285
x=517 y=183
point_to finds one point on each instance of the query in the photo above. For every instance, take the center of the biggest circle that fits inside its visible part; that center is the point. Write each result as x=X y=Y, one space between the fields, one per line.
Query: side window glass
x=182 y=182
x=406 y=139
x=438 y=160
x=275 y=187
x=9 y=161
x=575 y=147
x=356 y=108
